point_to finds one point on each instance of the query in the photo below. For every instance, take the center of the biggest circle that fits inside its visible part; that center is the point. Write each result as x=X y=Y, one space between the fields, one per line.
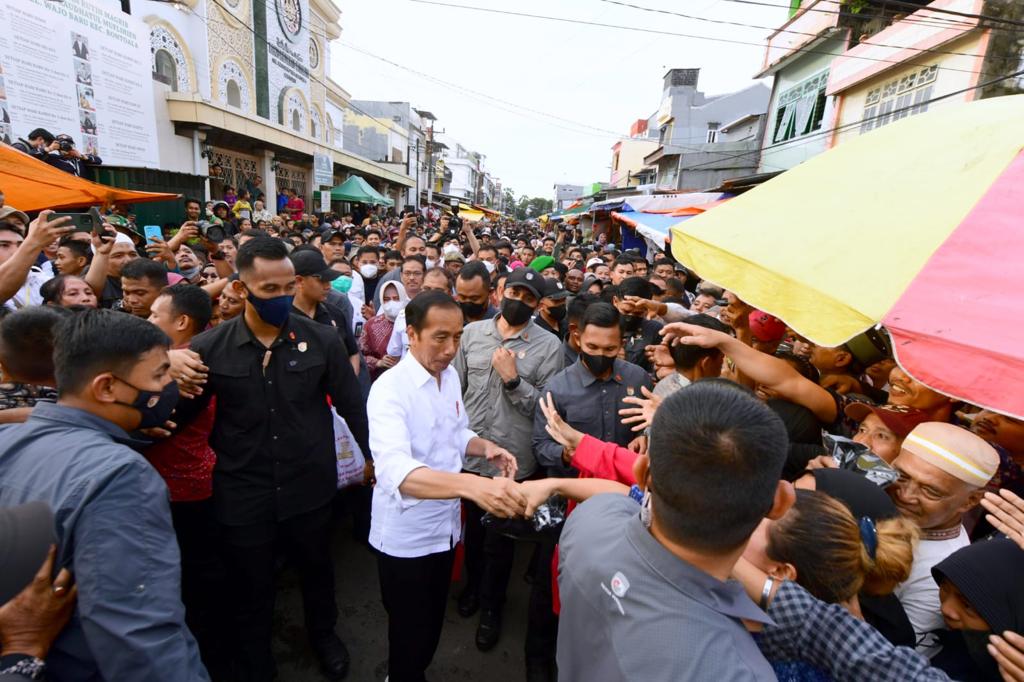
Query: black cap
x=26 y=533
x=64 y=137
x=332 y=232
x=309 y=263
x=554 y=289
x=528 y=279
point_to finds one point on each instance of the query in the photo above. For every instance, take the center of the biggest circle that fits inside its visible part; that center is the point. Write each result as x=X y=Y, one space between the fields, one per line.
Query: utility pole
x=430 y=164
x=416 y=173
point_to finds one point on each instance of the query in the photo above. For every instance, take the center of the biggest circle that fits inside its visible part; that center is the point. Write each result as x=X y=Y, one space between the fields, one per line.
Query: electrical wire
x=731 y=41
x=779 y=30
x=924 y=21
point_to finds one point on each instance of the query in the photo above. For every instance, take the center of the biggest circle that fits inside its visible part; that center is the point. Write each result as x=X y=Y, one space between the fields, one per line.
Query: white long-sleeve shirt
x=415 y=423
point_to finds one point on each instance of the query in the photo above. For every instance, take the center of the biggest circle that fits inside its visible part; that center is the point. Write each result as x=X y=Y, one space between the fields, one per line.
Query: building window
x=801 y=109
x=296 y=121
x=165 y=70
x=712 y=133
x=899 y=98
x=233 y=94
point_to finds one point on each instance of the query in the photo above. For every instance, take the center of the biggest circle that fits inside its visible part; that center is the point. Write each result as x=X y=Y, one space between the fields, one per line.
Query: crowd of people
x=704 y=493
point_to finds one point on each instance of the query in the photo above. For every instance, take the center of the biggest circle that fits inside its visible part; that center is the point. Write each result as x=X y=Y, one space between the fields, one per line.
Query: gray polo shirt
x=505 y=417
x=631 y=610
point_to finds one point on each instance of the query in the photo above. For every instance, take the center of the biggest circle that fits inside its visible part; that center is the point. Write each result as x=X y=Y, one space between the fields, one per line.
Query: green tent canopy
x=357 y=189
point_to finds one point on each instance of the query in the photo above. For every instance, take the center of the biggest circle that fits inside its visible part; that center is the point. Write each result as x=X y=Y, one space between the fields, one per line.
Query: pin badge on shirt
x=302 y=346
x=291 y=336
x=522 y=354
x=629 y=390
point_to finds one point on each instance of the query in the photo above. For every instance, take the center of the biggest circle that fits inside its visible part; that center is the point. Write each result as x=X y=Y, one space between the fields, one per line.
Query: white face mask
x=391 y=309
x=368 y=270
x=431 y=263
x=490 y=266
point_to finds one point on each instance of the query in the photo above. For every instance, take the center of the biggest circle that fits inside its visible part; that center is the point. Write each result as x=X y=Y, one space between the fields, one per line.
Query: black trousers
x=489 y=559
x=202 y=581
x=415 y=595
x=249 y=556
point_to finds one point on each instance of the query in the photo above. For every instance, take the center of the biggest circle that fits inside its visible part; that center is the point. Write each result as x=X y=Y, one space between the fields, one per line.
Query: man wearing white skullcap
x=943 y=471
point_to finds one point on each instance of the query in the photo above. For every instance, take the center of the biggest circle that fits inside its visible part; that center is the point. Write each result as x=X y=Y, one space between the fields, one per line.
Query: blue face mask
x=274 y=311
x=342 y=284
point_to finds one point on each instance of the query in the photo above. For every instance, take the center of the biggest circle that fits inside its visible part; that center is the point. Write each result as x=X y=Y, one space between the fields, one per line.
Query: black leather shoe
x=489 y=629
x=333 y=656
x=541 y=671
x=469 y=603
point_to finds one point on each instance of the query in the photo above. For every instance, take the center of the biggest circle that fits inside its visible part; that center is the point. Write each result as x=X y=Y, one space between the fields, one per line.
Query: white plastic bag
x=350 y=458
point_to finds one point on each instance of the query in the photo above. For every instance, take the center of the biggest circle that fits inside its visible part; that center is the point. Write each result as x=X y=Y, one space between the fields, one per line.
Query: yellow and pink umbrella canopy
x=917 y=225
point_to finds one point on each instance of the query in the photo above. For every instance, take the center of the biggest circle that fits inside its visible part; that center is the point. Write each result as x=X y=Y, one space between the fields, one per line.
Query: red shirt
x=185 y=460
x=296 y=206
x=597 y=459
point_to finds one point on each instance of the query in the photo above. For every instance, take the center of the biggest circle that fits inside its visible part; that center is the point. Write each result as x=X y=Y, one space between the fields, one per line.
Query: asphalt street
x=362 y=624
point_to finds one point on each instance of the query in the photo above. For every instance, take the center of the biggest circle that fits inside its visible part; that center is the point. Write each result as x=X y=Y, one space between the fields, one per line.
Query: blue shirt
x=113 y=524
x=589 y=405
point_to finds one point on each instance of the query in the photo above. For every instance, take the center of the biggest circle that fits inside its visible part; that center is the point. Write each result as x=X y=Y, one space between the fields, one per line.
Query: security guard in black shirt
x=272 y=373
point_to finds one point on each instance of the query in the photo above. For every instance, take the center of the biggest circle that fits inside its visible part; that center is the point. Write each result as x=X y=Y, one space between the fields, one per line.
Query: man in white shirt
x=419 y=436
x=943 y=472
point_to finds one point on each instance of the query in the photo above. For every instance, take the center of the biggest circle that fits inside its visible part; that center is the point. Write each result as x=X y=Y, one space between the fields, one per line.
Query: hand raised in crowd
x=660 y=357
x=642 y=415
x=691 y=334
x=1006 y=514
x=42 y=231
x=32 y=620
x=501 y=458
x=1008 y=651
x=188 y=370
x=104 y=243
x=188 y=230
x=367 y=311
x=499 y=496
x=159 y=250
x=644 y=306
x=387 y=362
x=563 y=434
x=504 y=363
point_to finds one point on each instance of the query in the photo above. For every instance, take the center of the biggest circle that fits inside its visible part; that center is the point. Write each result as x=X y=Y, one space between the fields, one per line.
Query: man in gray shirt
x=503 y=365
x=645 y=592
x=588 y=394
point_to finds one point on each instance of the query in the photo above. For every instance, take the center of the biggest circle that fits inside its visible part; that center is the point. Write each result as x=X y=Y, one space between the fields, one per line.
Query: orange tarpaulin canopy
x=29 y=184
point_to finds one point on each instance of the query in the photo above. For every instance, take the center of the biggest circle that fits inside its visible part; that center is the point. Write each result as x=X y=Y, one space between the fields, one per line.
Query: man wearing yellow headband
x=943 y=471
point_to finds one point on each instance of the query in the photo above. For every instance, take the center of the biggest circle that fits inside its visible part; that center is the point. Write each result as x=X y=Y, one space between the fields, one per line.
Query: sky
x=568 y=89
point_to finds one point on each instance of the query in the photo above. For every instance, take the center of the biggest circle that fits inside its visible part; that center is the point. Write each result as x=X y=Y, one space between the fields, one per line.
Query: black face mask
x=597 y=364
x=473 y=311
x=154 y=406
x=557 y=313
x=631 y=322
x=515 y=311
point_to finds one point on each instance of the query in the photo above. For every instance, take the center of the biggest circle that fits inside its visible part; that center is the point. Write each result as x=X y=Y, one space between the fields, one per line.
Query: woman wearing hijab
x=982 y=595
x=374 y=340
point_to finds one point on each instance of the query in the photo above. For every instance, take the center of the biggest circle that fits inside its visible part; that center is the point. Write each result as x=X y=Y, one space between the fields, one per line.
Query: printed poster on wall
x=80 y=67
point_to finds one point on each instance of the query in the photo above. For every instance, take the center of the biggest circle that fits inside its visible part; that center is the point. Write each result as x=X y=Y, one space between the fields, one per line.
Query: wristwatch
x=513 y=384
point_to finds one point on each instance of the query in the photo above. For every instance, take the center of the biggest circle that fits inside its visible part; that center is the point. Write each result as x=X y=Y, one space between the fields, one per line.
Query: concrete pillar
x=269 y=181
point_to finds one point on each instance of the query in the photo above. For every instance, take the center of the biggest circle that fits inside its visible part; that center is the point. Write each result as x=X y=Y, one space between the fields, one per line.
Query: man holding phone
x=20 y=278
